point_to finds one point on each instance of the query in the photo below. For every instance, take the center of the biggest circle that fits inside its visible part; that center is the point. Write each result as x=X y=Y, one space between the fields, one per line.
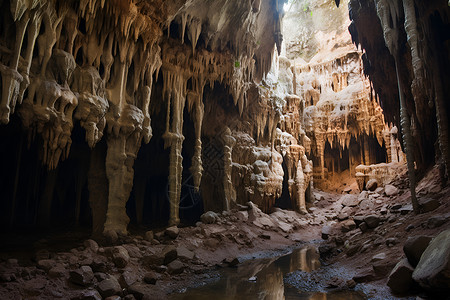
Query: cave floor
x=68 y=266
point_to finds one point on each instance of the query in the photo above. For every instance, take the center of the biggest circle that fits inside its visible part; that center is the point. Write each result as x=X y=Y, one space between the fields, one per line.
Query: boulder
x=209 y=217
x=390 y=190
x=172 y=232
x=175 y=267
x=91 y=245
x=82 y=276
x=184 y=253
x=57 y=272
x=128 y=278
x=400 y=280
x=433 y=269
x=151 y=278
x=350 y=200
x=436 y=221
x=46 y=264
x=326 y=231
x=120 y=256
x=372 y=221
x=414 y=247
x=170 y=254
x=428 y=204
x=149 y=236
x=372 y=185
x=348 y=225
x=109 y=287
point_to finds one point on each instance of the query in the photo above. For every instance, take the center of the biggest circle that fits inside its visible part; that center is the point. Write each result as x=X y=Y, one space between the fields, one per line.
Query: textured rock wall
x=97 y=64
x=342 y=117
x=414 y=36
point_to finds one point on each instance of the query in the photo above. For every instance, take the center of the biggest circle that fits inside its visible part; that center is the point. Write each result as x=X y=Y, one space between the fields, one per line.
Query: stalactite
x=390 y=11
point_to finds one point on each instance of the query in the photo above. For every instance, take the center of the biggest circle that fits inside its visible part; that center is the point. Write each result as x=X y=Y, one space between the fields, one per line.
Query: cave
x=289 y=149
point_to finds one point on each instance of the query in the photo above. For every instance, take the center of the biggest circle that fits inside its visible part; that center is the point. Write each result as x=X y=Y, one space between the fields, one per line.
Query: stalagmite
x=301 y=188
x=230 y=194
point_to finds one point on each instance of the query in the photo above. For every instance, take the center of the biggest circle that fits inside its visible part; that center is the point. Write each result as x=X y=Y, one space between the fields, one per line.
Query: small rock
x=150 y=278
x=433 y=269
x=414 y=248
x=372 y=185
x=127 y=279
x=170 y=254
x=326 y=231
x=209 y=217
x=396 y=206
x=149 y=236
x=436 y=221
x=363 y=196
x=351 y=284
x=390 y=190
x=113 y=298
x=378 y=257
x=82 y=276
x=364 y=276
x=348 y=225
x=159 y=236
x=382 y=267
x=109 y=287
x=253 y=278
x=265 y=236
x=232 y=262
x=111 y=237
x=372 y=221
x=172 y=232
x=406 y=209
x=185 y=254
x=400 y=280
x=363 y=226
x=57 y=272
x=175 y=267
x=120 y=256
x=91 y=245
x=100 y=276
x=89 y=295
x=391 y=241
x=350 y=200
x=46 y=264
x=409 y=227
x=358 y=220
x=428 y=204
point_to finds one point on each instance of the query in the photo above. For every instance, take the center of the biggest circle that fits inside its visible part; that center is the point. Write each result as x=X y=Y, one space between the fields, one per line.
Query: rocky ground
x=361 y=236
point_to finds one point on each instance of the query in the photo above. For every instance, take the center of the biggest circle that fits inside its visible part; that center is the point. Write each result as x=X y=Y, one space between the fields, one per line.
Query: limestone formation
x=96 y=64
x=342 y=119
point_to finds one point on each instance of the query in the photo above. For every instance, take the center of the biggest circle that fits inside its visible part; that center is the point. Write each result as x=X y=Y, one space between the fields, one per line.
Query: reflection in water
x=234 y=283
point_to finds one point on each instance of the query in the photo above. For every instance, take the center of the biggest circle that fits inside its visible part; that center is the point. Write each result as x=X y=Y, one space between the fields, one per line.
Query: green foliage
x=237 y=64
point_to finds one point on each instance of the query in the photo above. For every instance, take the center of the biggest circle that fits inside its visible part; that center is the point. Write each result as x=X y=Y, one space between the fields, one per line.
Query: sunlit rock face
x=413 y=35
x=107 y=77
x=342 y=116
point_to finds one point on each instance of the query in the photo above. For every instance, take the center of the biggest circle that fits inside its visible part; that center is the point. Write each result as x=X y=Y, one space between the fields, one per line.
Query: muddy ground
x=153 y=265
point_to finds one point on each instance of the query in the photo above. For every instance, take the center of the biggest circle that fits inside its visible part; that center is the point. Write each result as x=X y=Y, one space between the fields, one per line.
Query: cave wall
x=414 y=36
x=342 y=117
x=117 y=79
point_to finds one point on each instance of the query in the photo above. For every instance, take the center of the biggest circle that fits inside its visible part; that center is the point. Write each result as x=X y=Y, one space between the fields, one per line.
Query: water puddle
x=264 y=279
